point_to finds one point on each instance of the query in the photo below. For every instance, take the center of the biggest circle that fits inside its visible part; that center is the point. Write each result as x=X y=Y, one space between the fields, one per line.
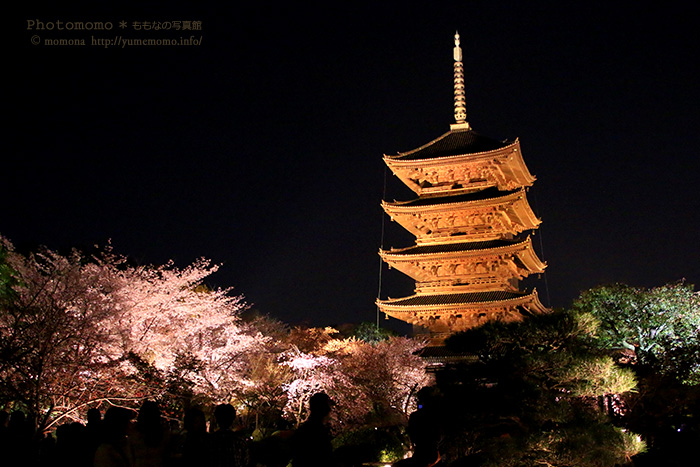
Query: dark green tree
x=8 y=276
x=657 y=332
x=659 y=327
x=540 y=392
x=371 y=333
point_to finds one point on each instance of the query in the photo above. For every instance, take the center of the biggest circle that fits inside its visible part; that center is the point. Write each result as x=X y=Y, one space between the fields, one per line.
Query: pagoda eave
x=448 y=318
x=481 y=219
x=503 y=168
x=455 y=265
x=445 y=204
x=458 y=250
x=442 y=302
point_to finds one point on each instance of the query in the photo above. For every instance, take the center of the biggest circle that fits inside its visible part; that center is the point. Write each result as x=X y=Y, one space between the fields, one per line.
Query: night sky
x=261 y=148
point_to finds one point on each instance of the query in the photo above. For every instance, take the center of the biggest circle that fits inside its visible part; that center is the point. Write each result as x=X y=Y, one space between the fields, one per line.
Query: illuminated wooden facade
x=468 y=258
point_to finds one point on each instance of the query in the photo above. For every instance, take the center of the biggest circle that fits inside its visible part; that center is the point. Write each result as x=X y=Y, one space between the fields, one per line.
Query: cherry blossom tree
x=51 y=337
x=78 y=330
x=313 y=373
x=168 y=318
x=389 y=372
x=363 y=379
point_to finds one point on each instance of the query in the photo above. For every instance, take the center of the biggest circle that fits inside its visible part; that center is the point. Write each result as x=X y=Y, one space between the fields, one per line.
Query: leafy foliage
x=660 y=325
x=369 y=332
x=540 y=393
x=656 y=332
x=8 y=276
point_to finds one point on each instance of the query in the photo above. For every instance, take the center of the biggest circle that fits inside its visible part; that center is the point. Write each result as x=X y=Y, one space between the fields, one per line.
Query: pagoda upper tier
x=463 y=160
x=484 y=215
x=468 y=266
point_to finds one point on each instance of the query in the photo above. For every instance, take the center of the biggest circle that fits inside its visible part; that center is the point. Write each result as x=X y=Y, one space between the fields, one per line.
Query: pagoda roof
x=454 y=143
x=438 y=355
x=418 y=262
x=489 y=193
x=444 y=314
x=456 y=298
x=437 y=248
x=436 y=302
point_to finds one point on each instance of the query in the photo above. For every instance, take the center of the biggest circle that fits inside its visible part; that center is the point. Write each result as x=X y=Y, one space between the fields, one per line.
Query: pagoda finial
x=460 y=107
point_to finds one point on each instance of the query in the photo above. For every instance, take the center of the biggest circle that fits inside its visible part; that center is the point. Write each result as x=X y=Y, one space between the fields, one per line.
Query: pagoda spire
x=460 y=107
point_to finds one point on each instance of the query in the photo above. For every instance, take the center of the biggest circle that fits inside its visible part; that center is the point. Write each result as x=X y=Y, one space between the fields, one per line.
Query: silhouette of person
x=195 y=447
x=150 y=439
x=93 y=433
x=70 y=446
x=425 y=431
x=311 y=443
x=228 y=448
x=114 y=450
x=18 y=440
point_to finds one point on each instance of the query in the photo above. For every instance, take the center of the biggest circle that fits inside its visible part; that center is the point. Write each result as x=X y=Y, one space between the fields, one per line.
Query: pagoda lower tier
x=468 y=266
x=440 y=315
x=486 y=215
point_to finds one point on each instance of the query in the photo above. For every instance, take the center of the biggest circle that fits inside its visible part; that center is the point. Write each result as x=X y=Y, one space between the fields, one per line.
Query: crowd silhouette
x=126 y=438
x=144 y=438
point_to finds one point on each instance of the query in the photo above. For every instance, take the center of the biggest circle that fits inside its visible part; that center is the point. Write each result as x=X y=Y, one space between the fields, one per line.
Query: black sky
x=262 y=147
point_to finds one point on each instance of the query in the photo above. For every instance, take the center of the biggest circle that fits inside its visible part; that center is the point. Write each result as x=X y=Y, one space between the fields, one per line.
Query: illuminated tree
x=80 y=330
x=389 y=372
x=264 y=398
x=312 y=374
x=369 y=332
x=657 y=332
x=661 y=325
x=51 y=339
x=365 y=380
x=169 y=319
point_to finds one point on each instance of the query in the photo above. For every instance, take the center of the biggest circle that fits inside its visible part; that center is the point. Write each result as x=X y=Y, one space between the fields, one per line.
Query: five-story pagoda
x=471 y=207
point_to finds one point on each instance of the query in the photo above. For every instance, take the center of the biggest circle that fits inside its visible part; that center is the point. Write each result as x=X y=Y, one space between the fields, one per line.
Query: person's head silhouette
x=320 y=406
